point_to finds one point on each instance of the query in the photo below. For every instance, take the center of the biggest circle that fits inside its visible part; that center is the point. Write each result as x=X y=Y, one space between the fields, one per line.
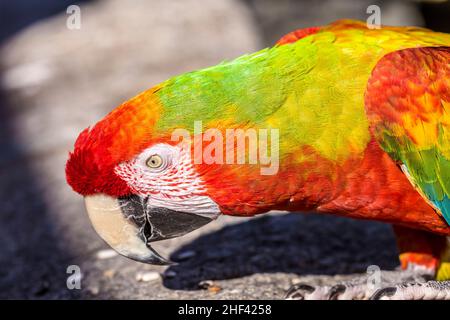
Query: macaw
x=363 y=120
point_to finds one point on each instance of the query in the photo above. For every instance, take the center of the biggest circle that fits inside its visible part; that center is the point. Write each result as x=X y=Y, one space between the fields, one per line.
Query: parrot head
x=138 y=185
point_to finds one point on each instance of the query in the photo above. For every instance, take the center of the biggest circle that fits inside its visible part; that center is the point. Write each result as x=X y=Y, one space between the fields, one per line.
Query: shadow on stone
x=33 y=255
x=292 y=243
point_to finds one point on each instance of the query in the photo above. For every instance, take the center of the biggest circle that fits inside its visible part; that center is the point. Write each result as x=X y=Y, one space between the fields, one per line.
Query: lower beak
x=128 y=225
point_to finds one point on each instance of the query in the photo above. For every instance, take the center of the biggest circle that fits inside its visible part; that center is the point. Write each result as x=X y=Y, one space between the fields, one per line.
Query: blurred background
x=55 y=81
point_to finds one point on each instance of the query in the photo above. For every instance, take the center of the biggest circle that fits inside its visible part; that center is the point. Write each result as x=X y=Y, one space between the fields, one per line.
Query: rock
x=147 y=276
x=214 y=289
x=93 y=290
x=106 y=254
x=109 y=273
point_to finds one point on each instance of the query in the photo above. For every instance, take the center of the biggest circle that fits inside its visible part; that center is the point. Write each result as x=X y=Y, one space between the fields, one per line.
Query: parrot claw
x=392 y=285
x=341 y=291
x=299 y=291
x=431 y=290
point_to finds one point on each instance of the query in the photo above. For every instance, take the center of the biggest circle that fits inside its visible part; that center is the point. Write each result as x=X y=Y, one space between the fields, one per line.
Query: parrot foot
x=385 y=285
x=431 y=290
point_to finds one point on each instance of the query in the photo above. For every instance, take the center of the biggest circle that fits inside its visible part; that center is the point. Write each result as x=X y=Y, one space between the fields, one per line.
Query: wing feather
x=408 y=105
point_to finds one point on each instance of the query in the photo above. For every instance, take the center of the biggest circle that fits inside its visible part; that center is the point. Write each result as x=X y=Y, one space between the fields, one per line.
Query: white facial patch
x=174 y=184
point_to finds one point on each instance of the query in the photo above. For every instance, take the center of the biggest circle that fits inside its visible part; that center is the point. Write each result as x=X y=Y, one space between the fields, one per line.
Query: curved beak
x=128 y=225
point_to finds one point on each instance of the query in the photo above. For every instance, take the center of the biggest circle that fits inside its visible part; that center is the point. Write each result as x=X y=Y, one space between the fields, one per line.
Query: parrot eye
x=154 y=161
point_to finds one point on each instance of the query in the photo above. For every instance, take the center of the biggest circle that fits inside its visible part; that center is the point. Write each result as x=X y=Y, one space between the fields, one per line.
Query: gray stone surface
x=55 y=82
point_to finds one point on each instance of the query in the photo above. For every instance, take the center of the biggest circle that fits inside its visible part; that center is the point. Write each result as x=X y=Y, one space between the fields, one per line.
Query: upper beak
x=128 y=225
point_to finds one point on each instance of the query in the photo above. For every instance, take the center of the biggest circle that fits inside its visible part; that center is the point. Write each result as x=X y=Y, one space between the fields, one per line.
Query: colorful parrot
x=363 y=117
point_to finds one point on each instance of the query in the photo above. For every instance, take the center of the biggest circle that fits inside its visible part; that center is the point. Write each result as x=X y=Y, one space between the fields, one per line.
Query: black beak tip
x=153 y=257
x=159 y=261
